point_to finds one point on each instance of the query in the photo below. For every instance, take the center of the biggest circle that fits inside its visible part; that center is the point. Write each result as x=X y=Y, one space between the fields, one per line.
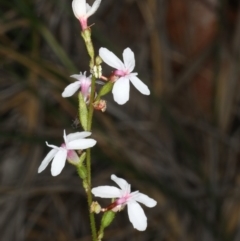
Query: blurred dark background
x=180 y=145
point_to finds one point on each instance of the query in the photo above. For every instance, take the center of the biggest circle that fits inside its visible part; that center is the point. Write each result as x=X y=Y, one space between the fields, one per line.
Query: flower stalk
x=105 y=222
x=86 y=34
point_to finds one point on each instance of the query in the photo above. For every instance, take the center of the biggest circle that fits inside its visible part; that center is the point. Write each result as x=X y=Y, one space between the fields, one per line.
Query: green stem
x=86 y=34
x=90 y=112
x=89 y=196
x=88 y=161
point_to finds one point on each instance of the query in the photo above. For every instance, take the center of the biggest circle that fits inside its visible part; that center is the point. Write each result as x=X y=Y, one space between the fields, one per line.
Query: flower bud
x=95 y=207
x=100 y=105
x=98 y=60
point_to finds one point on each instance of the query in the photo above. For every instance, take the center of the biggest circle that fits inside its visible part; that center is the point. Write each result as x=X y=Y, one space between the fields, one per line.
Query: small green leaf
x=82 y=171
x=83 y=111
x=82 y=158
x=107 y=218
x=105 y=89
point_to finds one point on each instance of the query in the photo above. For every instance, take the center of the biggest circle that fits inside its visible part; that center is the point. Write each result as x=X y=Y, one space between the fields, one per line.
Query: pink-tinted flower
x=124 y=73
x=83 y=11
x=74 y=141
x=82 y=82
x=124 y=197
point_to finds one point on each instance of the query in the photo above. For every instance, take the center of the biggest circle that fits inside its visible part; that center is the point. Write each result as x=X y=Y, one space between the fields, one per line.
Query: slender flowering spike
x=125 y=197
x=83 y=11
x=124 y=74
x=74 y=141
x=83 y=82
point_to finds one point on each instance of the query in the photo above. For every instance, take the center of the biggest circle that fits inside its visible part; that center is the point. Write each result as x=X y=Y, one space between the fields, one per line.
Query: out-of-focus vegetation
x=180 y=145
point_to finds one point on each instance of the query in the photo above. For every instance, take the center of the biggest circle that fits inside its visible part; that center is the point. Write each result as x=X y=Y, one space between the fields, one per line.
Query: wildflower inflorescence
x=74 y=144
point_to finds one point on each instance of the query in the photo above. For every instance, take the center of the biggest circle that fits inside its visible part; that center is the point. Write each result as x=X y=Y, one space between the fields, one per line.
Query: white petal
x=65 y=137
x=129 y=59
x=123 y=184
x=52 y=146
x=106 y=192
x=71 y=89
x=78 y=135
x=111 y=59
x=121 y=90
x=94 y=8
x=146 y=200
x=58 y=162
x=79 y=8
x=88 y=7
x=78 y=76
x=81 y=144
x=139 y=85
x=47 y=159
x=137 y=216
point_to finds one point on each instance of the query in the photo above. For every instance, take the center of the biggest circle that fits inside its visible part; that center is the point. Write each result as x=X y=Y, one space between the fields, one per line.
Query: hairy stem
x=89 y=197
x=89 y=127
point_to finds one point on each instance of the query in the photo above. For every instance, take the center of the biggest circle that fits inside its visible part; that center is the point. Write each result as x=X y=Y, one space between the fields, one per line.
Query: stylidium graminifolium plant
x=76 y=148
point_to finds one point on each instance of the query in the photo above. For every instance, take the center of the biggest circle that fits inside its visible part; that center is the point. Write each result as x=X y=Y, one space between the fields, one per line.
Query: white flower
x=124 y=70
x=83 y=82
x=125 y=197
x=74 y=141
x=83 y=11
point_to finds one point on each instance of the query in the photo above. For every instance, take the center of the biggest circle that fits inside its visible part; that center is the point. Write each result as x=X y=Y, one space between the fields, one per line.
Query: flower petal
x=123 y=184
x=137 y=216
x=129 y=59
x=59 y=161
x=106 y=192
x=94 y=8
x=139 y=85
x=78 y=76
x=111 y=59
x=71 y=89
x=52 y=146
x=65 y=137
x=86 y=86
x=146 y=200
x=88 y=7
x=79 y=8
x=78 y=135
x=121 y=90
x=81 y=144
x=47 y=159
